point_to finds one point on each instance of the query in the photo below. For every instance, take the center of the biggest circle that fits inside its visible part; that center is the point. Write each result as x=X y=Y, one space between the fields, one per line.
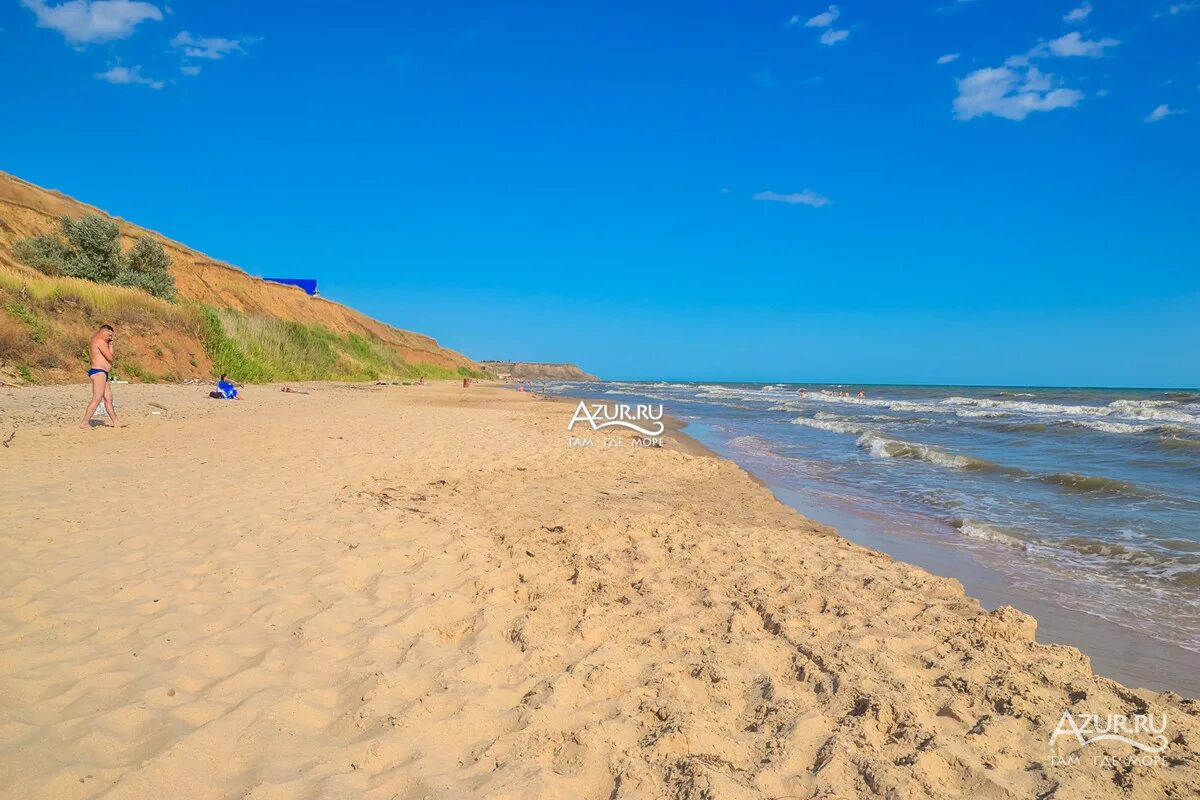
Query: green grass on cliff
x=265 y=349
x=45 y=322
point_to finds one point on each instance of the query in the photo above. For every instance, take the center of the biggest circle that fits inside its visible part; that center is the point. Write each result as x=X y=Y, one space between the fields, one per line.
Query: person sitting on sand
x=225 y=389
x=101 y=354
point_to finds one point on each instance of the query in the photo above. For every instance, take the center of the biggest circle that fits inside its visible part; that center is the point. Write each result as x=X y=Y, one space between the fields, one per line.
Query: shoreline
x=1116 y=651
x=1118 y=648
x=1126 y=655
x=404 y=591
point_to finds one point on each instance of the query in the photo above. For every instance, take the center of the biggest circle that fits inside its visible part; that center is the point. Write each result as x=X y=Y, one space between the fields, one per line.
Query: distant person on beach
x=423 y=382
x=225 y=389
x=101 y=354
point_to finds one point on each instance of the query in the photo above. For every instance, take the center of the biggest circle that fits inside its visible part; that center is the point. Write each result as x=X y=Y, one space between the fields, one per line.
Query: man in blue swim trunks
x=101 y=351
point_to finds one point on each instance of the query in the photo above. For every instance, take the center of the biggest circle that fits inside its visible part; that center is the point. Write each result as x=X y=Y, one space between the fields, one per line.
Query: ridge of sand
x=409 y=592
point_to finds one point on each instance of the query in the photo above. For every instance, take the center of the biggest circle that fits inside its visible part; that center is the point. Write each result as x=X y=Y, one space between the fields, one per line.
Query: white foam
x=754 y=445
x=1142 y=403
x=1056 y=409
x=989 y=533
x=1111 y=427
x=871 y=402
x=882 y=447
x=831 y=425
x=1151 y=409
x=1130 y=409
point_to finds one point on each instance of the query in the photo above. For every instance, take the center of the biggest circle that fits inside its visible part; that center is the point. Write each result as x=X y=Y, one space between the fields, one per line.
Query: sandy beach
x=404 y=592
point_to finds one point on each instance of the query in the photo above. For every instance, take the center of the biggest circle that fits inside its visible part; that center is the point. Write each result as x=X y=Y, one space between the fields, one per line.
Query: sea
x=1083 y=504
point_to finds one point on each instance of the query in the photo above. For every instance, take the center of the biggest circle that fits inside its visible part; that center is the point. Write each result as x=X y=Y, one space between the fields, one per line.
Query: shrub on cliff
x=147 y=266
x=90 y=248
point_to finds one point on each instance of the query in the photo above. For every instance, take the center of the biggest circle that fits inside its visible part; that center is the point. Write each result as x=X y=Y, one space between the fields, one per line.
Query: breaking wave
x=1110 y=427
x=987 y=532
x=882 y=447
x=831 y=425
x=1165 y=410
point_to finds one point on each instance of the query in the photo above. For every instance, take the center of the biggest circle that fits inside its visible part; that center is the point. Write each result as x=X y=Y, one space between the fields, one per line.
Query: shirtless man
x=102 y=358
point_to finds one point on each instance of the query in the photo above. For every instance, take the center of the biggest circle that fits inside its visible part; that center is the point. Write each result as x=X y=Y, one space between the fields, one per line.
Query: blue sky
x=974 y=192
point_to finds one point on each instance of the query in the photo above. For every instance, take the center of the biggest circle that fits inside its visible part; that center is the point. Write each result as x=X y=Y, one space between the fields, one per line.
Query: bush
x=148 y=267
x=90 y=248
x=46 y=253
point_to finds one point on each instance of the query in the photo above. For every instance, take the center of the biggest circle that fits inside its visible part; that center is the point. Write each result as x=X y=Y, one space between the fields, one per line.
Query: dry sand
x=408 y=592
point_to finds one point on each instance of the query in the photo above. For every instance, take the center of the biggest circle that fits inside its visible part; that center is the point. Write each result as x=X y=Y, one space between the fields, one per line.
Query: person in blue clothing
x=226 y=389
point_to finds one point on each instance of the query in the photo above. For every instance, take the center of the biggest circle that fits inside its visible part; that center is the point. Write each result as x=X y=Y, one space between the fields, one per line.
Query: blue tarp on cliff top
x=309 y=285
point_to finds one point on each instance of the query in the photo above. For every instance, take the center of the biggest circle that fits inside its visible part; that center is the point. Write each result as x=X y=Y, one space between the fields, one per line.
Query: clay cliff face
x=26 y=210
x=532 y=371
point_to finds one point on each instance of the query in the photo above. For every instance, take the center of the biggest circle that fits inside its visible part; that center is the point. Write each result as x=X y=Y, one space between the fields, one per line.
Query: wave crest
x=987 y=532
x=1094 y=484
x=831 y=425
x=882 y=447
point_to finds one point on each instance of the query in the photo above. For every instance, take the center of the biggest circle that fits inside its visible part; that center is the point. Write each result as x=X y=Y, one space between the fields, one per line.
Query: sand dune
x=407 y=592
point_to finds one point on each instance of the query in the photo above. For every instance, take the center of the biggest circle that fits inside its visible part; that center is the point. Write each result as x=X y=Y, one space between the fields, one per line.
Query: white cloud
x=1161 y=112
x=130 y=76
x=1075 y=45
x=824 y=19
x=949 y=57
x=85 y=21
x=1078 y=14
x=187 y=69
x=807 y=198
x=211 y=47
x=1068 y=46
x=1018 y=88
x=1010 y=94
x=832 y=36
x=1177 y=9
